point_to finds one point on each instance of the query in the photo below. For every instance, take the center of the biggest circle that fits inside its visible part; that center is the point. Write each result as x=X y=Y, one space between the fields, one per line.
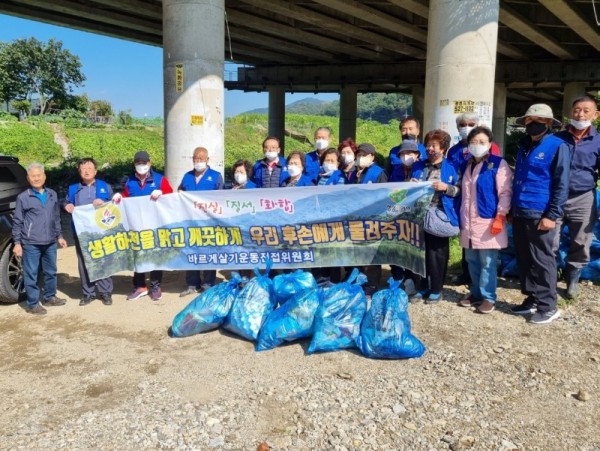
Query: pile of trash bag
x=335 y=317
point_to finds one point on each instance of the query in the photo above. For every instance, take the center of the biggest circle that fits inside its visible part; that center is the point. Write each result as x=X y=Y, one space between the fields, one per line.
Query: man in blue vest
x=270 y=171
x=89 y=191
x=410 y=128
x=201 y=178
x=540 y=190
x=145 y=181
x=313 y=159
x=583 y=141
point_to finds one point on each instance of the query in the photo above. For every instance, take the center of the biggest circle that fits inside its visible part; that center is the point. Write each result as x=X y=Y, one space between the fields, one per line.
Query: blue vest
x=398 y=174
x=532 y=183
x=335 y=177
x=448 y=175
x=152 y=182
x=304 y=180
x=371 y=174
x=209 y=181
x=260 y=173
x=487 y=192
x=102 y=191
x=313 y=167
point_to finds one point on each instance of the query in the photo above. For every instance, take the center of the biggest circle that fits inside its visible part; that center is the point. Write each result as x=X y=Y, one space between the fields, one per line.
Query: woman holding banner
x=441 y=220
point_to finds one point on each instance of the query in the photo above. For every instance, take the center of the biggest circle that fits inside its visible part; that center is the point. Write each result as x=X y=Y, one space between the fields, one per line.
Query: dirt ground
x=523 y=380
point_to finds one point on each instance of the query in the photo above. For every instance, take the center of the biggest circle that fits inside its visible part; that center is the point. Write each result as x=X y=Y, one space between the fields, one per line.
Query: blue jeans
x=33 y=254
x=483 y=271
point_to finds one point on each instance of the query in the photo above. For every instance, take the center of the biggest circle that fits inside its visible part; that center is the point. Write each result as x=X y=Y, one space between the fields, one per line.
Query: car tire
x=11 y=276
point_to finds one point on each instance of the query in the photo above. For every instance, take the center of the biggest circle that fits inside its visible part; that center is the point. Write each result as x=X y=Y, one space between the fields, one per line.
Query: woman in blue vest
x=330 y=173
x=486 y=189
x=242 y=175
x=347 y=149
x=368 y=171
x=89 y=191
x=296 y=170
x=446 y=183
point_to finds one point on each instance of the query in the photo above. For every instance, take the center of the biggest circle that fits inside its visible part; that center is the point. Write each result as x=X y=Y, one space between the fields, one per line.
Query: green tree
x=46 y=71
x=22 y=106
x=12 y=84
x=101 y=108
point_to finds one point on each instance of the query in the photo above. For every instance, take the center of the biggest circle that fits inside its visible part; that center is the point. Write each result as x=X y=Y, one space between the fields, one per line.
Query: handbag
x=437 y=223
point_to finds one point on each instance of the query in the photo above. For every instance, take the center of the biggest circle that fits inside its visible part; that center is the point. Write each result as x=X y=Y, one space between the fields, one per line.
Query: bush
x=29 y=142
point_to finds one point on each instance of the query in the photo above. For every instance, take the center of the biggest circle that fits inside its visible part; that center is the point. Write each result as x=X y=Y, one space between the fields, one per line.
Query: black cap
x=408 y=145
x=142 y=155
x=366 y=148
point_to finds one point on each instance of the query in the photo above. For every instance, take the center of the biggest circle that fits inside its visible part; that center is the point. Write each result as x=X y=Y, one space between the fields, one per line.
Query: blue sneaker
x=419 y=296
x=433 y=298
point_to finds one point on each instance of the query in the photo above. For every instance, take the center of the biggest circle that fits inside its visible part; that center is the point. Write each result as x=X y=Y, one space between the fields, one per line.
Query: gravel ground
x=99 y=377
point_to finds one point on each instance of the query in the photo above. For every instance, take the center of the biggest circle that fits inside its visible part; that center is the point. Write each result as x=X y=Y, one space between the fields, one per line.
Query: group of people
x=475 y=194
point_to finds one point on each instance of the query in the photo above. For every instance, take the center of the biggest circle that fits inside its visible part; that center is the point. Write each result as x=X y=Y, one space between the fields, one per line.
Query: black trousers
x=536 y=261
x=437 y=254
x=139 y=279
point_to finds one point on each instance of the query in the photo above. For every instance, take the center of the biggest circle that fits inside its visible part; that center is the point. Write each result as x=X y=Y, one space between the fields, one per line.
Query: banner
x=342 y=225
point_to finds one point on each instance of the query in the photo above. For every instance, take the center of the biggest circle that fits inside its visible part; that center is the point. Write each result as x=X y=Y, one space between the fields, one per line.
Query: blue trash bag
x=385 y=329
x=338 y=318
x=251 y=306
x=292 y=321
x=208 y=310
x=286 y=286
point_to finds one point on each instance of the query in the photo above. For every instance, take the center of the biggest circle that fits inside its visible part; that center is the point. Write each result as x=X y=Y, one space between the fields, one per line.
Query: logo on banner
x=108 y=217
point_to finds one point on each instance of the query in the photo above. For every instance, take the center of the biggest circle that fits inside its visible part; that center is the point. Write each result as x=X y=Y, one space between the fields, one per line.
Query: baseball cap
x=142 y=155
x=538 y=110
x=408 y=145
x=366 y=148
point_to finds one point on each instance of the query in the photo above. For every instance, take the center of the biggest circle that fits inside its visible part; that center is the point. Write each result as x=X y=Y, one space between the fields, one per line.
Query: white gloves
x=117 y=198
x=155 y=194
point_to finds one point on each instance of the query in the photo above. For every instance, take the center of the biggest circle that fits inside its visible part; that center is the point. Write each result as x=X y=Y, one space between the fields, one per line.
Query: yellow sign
x=197 y=119
x=179 y=77
x=464 y=106
x=108 y=216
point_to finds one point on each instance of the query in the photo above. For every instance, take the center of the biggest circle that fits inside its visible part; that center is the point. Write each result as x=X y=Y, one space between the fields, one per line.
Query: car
x=13 y=181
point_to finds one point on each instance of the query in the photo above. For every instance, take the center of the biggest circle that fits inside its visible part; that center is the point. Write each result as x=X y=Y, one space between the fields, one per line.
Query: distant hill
x=372 y=106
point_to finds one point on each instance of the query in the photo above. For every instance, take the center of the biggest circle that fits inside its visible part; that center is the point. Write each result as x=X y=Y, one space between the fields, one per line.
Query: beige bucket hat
x=538 y=110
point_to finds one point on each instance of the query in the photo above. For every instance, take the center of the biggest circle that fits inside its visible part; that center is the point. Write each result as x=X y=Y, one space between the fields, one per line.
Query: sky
x=127 y=74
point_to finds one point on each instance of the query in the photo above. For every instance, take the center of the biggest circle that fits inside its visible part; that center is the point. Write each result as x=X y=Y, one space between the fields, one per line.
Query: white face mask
x=478 y=150
x=271 y=156
x=464 y=131
x=142 y=169
x=364 y=162
x=240 y=178
x=328 y=168
x=407 y=160
x=322 y=144
x=200 y=166
x=294 y=170
x=348 y=158
x=580 y=125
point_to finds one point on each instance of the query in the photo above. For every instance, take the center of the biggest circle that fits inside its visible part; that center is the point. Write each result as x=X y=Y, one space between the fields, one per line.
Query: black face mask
x=409 y=137
x=535 y=128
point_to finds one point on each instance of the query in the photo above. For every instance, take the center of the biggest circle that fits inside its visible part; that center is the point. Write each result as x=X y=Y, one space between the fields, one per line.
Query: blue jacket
x=79 y=194
x=211 y=180
x=487 y=192
x=249 y=185
x=313 y=167
x=34 y=223
x=541 y=179
x=261 y=177
x=372 y=174
x=448 y=175
x=133 y=187
x=304 y=180
x=398 y=173
x=336 y=178
x=585 y=161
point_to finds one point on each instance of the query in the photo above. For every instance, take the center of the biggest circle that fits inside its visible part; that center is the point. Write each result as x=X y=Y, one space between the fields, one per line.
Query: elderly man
x=36 y=232
x=201 y=178
x=410 y=128
x=270 y=171
x=583 y=142
x=540 y=189
x=322 y=142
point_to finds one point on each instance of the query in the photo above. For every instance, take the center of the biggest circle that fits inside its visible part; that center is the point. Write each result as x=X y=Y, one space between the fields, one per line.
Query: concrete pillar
x=461 y=62
x=277 y=114
x=418 y=106
x=499 y=115
x=193 y=50
x=348 y=100
x=572 y=91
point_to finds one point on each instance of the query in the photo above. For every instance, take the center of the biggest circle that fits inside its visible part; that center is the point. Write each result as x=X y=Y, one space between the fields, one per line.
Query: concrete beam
x=564 y=12
x=525 y=28
x=263 y=54
x=277 y=29
x=413 y=6
x=371 y=15
x=326 y=22
x=150 y=9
